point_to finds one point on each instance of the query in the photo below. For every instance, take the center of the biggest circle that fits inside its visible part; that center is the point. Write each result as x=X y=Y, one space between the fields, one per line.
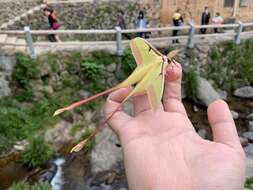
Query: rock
x=4 y=87
x=59 y=135
x=105 y=154
x=249 y=149
x=244 y=92
x=206 y=93
x=84 y=93
x=234 y=114
x=195 y=108
x=250 y=116
x=249 y=166
x=251 y=124
x=123 y=188
x=48 y=89
x=88 y=115
x=45 y=70
x=223 y=94
x=248 y=135
x=202 y=133
x=244 y=141
x=20 y=145
x=48 y=175
x=111 y=68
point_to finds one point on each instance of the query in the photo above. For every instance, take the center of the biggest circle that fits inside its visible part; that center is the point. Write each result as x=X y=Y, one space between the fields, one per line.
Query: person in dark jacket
x=177 y=21
x=205 y=20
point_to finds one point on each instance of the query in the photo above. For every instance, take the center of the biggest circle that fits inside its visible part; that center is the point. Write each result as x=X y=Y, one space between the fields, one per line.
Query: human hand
x=163 y=151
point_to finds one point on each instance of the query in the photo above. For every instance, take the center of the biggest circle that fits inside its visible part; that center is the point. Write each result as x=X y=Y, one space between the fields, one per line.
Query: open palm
x=162 y=150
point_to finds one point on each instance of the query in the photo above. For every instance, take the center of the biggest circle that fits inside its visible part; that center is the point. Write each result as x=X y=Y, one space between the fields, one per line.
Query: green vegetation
x=26 y=186
x=231 y=65
x=128 y=62
x=91 y=142
x=92 y=70
x=31 y=107
x=37 y=152
x=26 y=70
x=191 y=82
x=249 y=183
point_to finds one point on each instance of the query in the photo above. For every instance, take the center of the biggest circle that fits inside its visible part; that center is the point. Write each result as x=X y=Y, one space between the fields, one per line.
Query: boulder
x=234 y=114
x=206 y=93
x=111 y=68
x=223 y=94
x=249 y=149
x=59 y=135
x=244 y=92
x=244 y=141
x=105 y=154
x=249 y=165
x=250 y=116
x=202 y=133
x=248 y=135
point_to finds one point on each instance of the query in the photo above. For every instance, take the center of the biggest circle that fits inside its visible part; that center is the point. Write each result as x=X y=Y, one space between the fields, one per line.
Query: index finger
x=172 y=92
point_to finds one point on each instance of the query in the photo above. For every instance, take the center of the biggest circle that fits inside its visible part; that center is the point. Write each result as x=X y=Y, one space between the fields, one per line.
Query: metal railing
x=236 y=32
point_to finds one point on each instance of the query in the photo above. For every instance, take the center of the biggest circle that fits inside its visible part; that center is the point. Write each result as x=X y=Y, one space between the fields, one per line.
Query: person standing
x=122 y=23
x=53 y=23
x=177 y=21
x=217 y=20
x=141 y=23
x=205 y=20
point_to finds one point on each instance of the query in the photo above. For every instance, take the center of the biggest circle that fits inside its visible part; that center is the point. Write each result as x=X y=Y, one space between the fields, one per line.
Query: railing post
x=190 y=43
x=29 y=41
x=239 y=31
x=119 y=41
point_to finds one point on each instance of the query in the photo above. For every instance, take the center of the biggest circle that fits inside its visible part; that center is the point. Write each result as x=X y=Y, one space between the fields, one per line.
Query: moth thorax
x=165 y=59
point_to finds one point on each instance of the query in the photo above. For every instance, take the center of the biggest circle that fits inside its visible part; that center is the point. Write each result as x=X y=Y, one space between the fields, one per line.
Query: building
x=240 y=9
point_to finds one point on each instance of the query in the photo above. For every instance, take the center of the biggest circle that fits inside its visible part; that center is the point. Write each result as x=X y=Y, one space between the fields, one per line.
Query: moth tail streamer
x=83 y=143
x=86 y=100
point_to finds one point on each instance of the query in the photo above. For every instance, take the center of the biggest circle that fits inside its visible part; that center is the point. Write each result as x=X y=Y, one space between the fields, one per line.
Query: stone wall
x=11 y=9
x=96 y=14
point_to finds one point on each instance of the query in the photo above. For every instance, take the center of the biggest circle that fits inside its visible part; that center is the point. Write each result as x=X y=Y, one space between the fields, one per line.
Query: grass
x=26 y=186
x=37 y=152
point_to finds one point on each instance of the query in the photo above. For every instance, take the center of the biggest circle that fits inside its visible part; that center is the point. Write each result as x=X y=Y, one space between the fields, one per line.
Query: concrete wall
x=192 y=9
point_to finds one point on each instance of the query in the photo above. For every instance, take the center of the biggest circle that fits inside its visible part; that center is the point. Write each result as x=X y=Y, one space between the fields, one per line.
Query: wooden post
x=119 y=41
x=190 y=43
x=29 y=41
x=239 y=31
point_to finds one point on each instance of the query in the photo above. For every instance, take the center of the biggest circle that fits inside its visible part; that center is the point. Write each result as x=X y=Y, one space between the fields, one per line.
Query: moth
x=147 y=78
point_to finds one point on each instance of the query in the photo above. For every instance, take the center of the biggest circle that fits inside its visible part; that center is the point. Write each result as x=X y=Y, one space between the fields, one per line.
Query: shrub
x=92 y=70
x=191 y=82
x=231 y=65
x=37 y=152
x=128 y=62
x=26 y=69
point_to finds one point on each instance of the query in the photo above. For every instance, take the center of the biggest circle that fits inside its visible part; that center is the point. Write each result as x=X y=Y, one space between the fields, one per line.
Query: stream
x=73 y=171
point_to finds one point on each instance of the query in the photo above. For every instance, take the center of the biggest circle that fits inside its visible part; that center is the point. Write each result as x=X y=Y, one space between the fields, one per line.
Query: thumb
x=113 y=102
x=222 y=123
